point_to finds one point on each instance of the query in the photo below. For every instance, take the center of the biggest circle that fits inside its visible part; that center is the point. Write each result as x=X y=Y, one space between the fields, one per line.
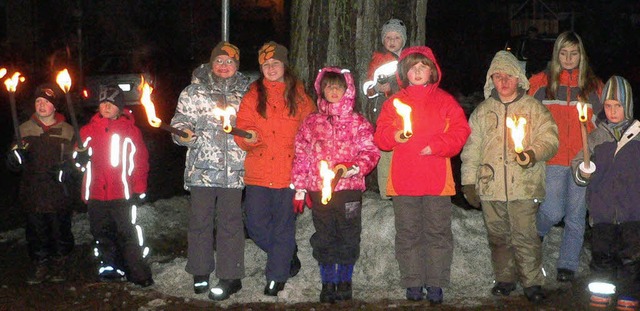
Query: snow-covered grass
x=376 y=275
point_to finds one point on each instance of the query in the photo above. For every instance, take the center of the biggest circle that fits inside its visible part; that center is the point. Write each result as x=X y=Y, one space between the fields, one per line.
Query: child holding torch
x=272 y=111
x=114 y=185
x=344 y=139
x=431 y=130
x=45 y=165
x=213 y=172
x=612 y=181
x=509 y=182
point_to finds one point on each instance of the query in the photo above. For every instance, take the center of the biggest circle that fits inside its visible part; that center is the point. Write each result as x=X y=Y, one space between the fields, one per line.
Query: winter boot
x=503 y=288
x=415 y=293
x=534 y=294
x=329 y=279
x=38 y=274
x=225 y=289
x=565 y=275
x=111 y=274
x=273 y=287
x=200 y=284
x=58 y=272
x=295 y=263
x=434 y=295
x=344 y=290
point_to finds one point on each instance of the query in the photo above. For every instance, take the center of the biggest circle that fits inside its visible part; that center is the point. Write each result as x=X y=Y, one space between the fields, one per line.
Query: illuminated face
x=569 y=57
x=506 y=86
x=614 y=111
x=224 y=66
x=393 y=42
x=273 y=70
x=419 y=74
x=333 y=92
x=109 y=110
x=44 y=108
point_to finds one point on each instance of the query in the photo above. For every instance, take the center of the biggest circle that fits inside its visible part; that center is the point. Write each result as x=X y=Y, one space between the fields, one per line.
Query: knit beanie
x=618 y=88
x=225 y=48
x=505 y=62
x=112 y=94
x=395 y=25
x=50 y=92
x=272 y=50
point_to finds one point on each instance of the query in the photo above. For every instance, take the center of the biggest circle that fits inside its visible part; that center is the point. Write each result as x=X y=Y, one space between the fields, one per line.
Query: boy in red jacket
x=115 y=181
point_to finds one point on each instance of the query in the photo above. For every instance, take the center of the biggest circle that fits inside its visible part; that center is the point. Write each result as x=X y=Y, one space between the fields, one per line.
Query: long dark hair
x=290 y=93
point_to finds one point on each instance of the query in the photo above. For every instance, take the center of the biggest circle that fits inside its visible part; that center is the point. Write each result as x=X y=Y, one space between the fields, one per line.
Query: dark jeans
x=49 y=235
x=117 y=239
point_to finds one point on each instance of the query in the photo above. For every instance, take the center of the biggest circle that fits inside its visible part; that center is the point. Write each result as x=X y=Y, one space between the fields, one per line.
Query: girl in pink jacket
x=344 y=139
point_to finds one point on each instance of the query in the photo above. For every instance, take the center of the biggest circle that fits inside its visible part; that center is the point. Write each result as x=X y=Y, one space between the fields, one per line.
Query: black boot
x=295 y=264
x=200 y=284
x=328 y=293
x=344 y=291
x=272 y=288
x=534 y=294
x=225 y=289
x=565 y=275
x=503 y=288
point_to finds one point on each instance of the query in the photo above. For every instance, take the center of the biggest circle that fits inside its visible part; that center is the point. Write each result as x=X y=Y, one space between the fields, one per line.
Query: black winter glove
x=471 y=195
x=15 y=159
x=81 y=157
x=529 y=159
x=62 y=172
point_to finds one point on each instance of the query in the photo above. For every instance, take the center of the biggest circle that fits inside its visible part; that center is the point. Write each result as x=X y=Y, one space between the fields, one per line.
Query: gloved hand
x=351 y=169
x=471 y=195
x=62 y=171
x=81 y=157
x=190 y=136
x=529 y=161
x=15 y=159
x=586 y=172
x=301 y=199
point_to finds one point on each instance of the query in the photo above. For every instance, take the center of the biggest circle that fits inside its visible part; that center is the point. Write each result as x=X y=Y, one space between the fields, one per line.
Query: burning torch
x=145 y=100
x=586 y=166
x=63 y=79
x=224 y=115
x=404 y=111
x=12 y=84
x=327 y=176
x=516 y=125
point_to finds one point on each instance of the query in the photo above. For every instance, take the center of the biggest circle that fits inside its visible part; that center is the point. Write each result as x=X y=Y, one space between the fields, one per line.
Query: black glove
x=81 y=157
x=62 y=172
x=15 y=159
x=471 y=195
x=529 y=161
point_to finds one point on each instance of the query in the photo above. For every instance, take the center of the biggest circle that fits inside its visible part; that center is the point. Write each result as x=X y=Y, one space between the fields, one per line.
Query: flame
x=224 y=115
x=582 y=111
x=145 y=100
x=404 y=111
x=12 y=83
x=3 y=71
x=327 y=176
x=517 y=131
x=64 y=80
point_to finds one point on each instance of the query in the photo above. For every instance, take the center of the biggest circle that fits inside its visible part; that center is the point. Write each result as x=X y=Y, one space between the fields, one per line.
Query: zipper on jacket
x=505 y=152
x=226 y=141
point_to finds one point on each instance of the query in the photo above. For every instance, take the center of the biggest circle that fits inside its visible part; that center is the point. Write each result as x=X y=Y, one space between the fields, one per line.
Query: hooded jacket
x=119 y=162
x=335 y=134
x=269 y=160
x=612 y=190
x=213 y=158
x=563 y=109
x=438 y=122
x=48 y=146
x=489 y=157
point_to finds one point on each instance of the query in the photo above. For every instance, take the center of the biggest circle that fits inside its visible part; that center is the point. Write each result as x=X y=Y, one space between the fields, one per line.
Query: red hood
x=426 y=51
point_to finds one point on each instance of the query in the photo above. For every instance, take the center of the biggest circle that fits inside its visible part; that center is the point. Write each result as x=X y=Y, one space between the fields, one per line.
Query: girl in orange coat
x=272 y=111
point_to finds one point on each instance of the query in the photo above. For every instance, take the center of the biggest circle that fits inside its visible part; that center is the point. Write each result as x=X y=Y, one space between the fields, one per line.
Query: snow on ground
x=376 y=274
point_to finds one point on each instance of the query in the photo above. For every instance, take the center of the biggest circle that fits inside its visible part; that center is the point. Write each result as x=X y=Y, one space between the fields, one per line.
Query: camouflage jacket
x=213 y=158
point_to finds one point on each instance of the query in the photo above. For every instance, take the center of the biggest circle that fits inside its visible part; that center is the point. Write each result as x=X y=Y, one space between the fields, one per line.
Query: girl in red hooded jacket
x=115 y=180
x=420 y=179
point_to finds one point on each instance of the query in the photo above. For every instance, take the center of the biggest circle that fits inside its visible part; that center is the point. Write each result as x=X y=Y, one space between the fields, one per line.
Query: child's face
x=614 y=111
x=44 y=108
x=224 y=66
x=273 y=70
x=333 y=92
x=393 y=42
x=506 y=85
x=419 y=74
x=109 y=110
x=569 y=57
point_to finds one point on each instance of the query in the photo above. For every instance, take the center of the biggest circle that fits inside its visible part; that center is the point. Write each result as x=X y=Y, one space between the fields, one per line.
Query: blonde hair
x=587 y=81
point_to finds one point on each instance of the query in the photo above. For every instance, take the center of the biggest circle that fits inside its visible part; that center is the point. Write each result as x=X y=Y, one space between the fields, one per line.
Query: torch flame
x=404 y=111
x=64 y=80
x=327 y=176
x=517 y=131
x=12 y=83
x=3 y=71
x=145 y=100
x=582 y=111
x=225 y=116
